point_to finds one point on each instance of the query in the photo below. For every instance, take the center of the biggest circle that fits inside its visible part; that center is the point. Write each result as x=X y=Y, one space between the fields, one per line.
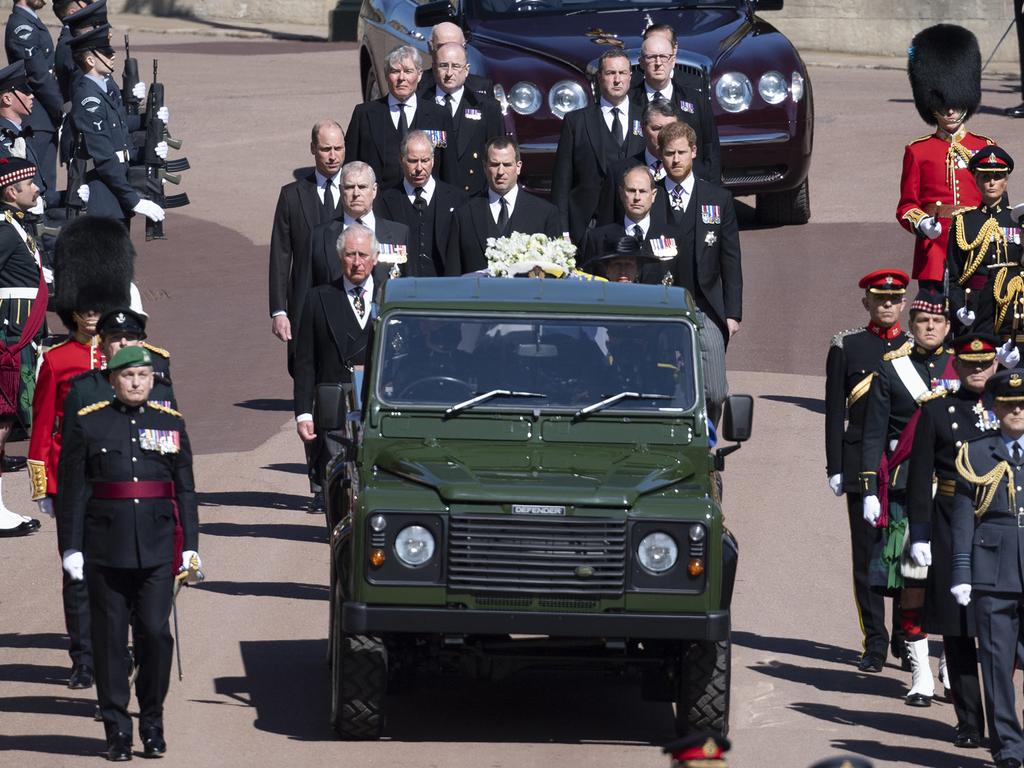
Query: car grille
x=544 y=556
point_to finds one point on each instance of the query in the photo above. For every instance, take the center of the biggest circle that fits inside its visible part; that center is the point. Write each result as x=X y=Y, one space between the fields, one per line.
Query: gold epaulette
x=93 y=408
x=903 y=351
x=163 y=409
x=923 y=138
x=934 y=395
x=156 y=350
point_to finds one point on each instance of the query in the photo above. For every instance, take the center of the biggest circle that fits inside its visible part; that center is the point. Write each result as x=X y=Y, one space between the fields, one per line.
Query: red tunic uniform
x=935 y=172
x=60 y=364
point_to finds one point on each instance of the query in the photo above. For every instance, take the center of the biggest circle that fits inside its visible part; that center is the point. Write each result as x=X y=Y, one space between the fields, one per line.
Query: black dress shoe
x=966 y=738
x=119 y=747
x=316 y=504
x=153 y=744
x=1017 y=111
x=13 y=463
x=81 y=677
x=871 y=662
x=918 y=700
x=27 y=527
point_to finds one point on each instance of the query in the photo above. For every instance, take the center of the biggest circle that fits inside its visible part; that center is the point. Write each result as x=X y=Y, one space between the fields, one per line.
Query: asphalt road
x=255 y=690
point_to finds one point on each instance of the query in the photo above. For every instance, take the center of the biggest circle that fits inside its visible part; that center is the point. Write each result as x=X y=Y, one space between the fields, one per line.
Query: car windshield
x=489 y=9
x=560 y=362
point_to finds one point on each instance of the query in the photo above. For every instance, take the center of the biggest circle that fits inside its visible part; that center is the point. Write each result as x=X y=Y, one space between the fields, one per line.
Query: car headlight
x=566 y=96
x=524 y=98
x=797 y=89
x=734 y=92
x=414 y=545
x=772 y=87
x=657 y=552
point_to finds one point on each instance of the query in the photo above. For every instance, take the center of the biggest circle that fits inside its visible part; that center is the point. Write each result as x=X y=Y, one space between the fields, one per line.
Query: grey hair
x=401 y=53
x=414 y=136
x=357 y=166
x=357 y=229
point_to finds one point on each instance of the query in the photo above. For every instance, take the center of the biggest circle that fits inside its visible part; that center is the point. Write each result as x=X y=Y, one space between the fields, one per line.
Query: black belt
x=1005 y=518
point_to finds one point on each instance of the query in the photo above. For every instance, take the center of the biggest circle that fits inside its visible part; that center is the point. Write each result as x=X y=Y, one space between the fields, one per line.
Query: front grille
x=543 y=556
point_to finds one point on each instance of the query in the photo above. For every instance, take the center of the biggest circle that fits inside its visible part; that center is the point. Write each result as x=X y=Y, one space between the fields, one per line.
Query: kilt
x=13 y=315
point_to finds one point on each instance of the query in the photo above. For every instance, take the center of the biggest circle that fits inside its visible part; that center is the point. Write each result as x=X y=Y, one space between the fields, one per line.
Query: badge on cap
x=120 y=318
x=710 y=748
x=1015 y=380
x=976 y=345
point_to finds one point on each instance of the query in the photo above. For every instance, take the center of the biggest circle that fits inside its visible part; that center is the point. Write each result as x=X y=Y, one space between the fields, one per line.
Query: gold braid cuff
x=914 y=216
x=990 y=232
x=956 y=150
x=1007 y=294
x=37 y=479
x=987 y=484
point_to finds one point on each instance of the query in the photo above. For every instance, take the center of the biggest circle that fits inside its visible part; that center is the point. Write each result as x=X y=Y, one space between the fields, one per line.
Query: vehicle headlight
x=797 y=89
x=772 y=87
x=657 y=552
x=524 y=98
x=566 y=96
x=734 y=92
x=414 y=545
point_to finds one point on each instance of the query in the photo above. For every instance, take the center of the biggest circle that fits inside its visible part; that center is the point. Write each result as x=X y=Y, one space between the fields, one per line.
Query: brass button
x=954 y=425
x=475 y=156
x=952 y=409
x=959 y=443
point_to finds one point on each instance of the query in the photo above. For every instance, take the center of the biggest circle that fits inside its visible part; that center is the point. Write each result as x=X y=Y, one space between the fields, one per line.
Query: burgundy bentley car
x=541 y=55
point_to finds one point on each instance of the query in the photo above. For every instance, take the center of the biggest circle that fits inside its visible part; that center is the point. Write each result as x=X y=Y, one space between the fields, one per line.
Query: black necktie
x=420 y=203
x=657 y=97
x=617 y=133
x=328 y=201
x=448 y=102
x=403 y=124
x=1015 y=453
x=502 y=216
x=638 y=233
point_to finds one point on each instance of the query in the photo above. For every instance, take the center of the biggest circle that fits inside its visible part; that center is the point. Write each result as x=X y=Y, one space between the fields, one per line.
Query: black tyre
x=703 y=703
x=781 y=208
x=359 y=679
x=371 y=89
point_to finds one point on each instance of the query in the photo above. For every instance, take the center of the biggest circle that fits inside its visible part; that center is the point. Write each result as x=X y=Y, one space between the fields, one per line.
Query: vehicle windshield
x=560 y=362
x=489 y=9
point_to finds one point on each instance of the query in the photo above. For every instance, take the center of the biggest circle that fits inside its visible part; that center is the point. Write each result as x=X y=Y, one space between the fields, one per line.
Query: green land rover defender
x=526 y=464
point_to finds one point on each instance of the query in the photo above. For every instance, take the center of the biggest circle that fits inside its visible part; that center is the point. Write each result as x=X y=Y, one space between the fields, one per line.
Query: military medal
x=472 y=114
x=637 y=128
x=711 y=214
x=664 y=248
x=162 y=440
x=986 y=418
x=687 y=106
x=439 y=139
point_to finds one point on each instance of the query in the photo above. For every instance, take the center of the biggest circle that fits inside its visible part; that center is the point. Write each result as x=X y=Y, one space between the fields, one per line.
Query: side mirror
x=340 y=445
x=331 y=406
x=429 y=14
x=738 y=418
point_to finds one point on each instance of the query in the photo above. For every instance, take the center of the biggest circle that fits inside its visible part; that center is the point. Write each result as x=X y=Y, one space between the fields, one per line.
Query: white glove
x=164 y=114
x=965 y=316
x=961 y=593
x=83 y=192
x=149 y=209
x=836 y=484
x=74 y=563
x=1008 y=355
x=872 y=510
x=186 y=560
x=46 y=506
x=48 y=275
x=921 y=553
x=139 y=90
x=161 y=150
x=38 y=206
x=929 y=227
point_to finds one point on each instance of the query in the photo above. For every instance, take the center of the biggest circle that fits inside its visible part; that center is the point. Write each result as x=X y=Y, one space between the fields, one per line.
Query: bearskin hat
x=93 y=265
x=944 y=65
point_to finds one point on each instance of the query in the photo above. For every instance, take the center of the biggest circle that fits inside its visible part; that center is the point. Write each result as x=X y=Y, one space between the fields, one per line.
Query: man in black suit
x=442 y=34
x=505 y=209
x=657 y=60
x=655 y=117
x=358 y=203
x=475 y=118
x=592 y=140
x=378 y=127
x=333 y=331
x=424 y=205
x=302 y=204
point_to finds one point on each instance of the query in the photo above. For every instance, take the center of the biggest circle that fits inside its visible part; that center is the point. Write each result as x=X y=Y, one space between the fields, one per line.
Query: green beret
x=130 y=357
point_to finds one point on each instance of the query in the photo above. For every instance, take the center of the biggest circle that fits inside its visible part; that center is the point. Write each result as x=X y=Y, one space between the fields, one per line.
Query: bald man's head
x=445 y=32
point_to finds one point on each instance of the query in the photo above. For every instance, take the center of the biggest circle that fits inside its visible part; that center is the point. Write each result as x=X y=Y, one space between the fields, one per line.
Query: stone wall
x=309 y=12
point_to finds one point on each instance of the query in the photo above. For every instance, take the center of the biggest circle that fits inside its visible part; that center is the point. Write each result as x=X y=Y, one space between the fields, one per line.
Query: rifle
x=129 y=79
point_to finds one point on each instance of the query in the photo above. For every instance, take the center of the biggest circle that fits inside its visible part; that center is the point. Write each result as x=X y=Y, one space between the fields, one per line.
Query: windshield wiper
x=458 y=408
x=595 y=407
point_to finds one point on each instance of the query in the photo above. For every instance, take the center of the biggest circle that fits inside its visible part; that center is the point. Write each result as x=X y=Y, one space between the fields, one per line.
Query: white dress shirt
x=368 y=221
x=510 y=198
x=687 y=185
x=645 y=225
x=666 y=92
x=321 y=183
x=606 y=111
x=456 y=98
x=428 y=190
x=410 y=109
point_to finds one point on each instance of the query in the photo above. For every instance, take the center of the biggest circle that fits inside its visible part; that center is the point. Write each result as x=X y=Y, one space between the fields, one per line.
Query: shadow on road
x=49 y=705
x=53 y=744
x=264 y=499
x=289 y=590
x=53 y=640
x=288 y=684
x=294 y=468
x=848 y=681
x=285 y=531
x=812 y=404
x=883 y=722
x=794 y=646
x=266 y=404
x=33 y=673
x=897 y=755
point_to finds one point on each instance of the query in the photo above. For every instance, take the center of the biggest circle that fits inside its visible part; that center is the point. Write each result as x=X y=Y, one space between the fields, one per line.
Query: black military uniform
x=852 y=360
x=127 y=484
x=982 y=241
x=27 y=39
x=944 y=425
x=988 y=547
x=475 y=120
